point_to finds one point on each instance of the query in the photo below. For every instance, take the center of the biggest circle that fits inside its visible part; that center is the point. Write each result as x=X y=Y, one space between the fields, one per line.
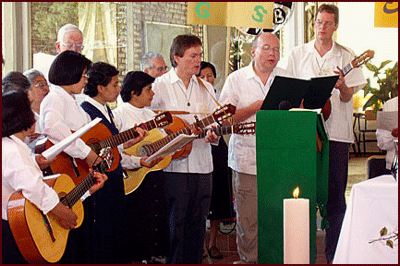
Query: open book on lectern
x=315 y=92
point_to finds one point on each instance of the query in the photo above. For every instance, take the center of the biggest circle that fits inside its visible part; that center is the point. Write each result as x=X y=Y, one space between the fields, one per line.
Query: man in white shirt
x=385 y=138
x=246 y=88
x=320 y=57
x=188 y=180
x=69 y=37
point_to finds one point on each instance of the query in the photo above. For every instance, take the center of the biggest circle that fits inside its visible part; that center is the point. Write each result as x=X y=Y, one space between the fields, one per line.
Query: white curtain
x=99 y=26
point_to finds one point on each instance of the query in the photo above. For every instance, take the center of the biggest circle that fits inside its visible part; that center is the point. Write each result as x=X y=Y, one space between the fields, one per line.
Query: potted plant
x=387 y=82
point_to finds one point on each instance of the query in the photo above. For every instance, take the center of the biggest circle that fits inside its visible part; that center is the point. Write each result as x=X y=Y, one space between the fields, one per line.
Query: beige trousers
x=245 y=190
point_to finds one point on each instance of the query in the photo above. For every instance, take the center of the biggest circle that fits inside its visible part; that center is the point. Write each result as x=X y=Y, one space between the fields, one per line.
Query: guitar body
x=327 y=109
x=29 y=230
x=65 y=164
x=178 y=124
x=136 y=177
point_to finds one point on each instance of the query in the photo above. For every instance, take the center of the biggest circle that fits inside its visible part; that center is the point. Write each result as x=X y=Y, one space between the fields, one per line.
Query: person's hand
x=64 y=216
x=93 y=159
x=395 y=132
x=346 y=93
x=152 y=163
x=33 y=136
x=43 y=162
x=196 y=130
x=100 y=179
x=211 y=136
x=142 y=134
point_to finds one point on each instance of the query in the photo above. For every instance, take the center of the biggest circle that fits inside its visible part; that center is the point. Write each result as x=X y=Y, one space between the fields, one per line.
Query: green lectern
x=292 y=151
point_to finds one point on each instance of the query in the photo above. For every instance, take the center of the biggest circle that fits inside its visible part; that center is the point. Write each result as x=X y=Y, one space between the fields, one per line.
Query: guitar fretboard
x=155 y=146
x=126 y=135
x=77 y=192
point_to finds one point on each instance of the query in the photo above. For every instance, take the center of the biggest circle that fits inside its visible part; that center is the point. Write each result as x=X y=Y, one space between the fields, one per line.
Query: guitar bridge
x=49 y=228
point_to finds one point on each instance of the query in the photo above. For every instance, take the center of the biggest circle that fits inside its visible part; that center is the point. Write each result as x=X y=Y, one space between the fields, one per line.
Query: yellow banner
x=386 y=14
x=232 y=14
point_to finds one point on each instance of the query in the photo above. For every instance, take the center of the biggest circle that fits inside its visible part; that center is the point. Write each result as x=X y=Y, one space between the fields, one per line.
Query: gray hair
x=146 y=60
x=64 y=29
x=32 y=74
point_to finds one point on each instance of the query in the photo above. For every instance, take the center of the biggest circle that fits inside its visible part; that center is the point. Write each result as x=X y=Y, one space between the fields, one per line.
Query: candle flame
x=296 y=192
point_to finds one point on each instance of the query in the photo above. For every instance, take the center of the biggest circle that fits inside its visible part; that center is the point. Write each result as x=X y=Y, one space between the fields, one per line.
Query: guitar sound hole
x=144 y=151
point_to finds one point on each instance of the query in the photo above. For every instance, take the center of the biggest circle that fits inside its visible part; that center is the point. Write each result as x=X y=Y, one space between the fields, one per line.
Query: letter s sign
x=200 y=7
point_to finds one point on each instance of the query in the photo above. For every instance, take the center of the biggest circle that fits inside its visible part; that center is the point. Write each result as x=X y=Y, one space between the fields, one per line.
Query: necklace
x=185 y=92
x=321 y=72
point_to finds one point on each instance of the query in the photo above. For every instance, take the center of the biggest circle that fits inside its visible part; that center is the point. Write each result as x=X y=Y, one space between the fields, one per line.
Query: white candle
x=296 y=231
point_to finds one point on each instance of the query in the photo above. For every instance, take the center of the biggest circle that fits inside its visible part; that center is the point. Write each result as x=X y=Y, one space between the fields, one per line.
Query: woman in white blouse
x=20 y=172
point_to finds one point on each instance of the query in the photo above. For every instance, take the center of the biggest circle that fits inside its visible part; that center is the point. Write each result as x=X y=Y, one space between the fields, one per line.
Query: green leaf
x=383 y=231
x=384 y=63
x=389 y=243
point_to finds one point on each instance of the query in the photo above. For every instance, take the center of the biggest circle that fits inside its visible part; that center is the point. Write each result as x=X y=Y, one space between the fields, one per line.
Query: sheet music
x=172 y=146
x=387 y=120
x=53 y=151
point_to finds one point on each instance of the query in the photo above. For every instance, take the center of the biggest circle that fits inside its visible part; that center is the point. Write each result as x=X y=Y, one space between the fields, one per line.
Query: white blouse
x=20 y=172
x=59 y=114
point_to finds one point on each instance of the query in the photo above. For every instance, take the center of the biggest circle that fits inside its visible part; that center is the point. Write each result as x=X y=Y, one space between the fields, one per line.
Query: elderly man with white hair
x=69 y=37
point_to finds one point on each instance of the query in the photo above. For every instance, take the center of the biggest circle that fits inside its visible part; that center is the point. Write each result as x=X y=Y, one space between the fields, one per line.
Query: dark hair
x=67 y=68
x=17 y=113
x=134 y=81
x=332 y=9
x=99 y=74
x=180 y=44
x=204 y=65
x=15 y=80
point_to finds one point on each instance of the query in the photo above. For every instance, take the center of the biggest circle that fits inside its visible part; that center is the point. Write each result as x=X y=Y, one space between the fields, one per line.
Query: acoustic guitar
x=135 y=178
x=356 y=62
x=98 y=138
x=39 y=237
x=156 y=140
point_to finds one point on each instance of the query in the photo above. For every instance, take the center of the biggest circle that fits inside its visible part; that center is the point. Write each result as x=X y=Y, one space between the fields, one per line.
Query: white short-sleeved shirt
x=172 y=95
x=59 y=114
x=305 y=62
x=385 y=140
x=126 y=116
x=242 y=88
x=20 y=172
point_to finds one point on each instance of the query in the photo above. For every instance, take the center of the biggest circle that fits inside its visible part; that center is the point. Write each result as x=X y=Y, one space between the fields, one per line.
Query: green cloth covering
x=287 y=157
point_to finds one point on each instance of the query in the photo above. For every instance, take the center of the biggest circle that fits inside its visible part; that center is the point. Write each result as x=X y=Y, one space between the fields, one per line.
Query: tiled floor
x=227 y=243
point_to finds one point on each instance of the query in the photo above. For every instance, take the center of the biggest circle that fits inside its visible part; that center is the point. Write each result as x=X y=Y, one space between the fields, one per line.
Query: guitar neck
x=126 y=135
x=219 y=131
x=72 y=197
x=155 y=146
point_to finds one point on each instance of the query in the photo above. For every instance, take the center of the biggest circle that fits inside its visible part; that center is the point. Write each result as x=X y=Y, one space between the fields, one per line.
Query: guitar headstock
x=107 y=159
x=224 y=112
x=363 y=58
x=245 y=128
x=163 y=119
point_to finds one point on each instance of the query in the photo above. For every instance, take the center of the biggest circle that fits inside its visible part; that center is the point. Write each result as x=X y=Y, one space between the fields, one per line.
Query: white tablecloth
x=373 y=204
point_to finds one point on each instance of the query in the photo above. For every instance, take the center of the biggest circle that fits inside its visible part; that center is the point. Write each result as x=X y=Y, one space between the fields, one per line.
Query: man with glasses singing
x=246 y=89
x=322 y=57
x=69 y=37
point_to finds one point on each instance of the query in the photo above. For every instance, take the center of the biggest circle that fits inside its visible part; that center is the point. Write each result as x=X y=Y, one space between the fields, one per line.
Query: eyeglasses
x=71 y=45
x=85 y=75
x=41 y=85
x=268 y=49
x=327 y=23
x=161 y=69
